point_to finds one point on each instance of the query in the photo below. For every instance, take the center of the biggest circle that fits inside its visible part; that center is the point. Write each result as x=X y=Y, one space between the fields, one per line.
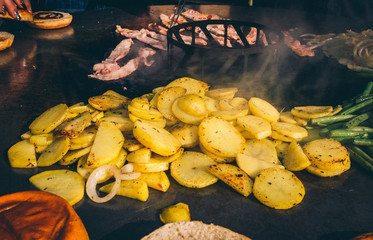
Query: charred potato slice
x=73 y=127
x=106 y=102
x=278 y=188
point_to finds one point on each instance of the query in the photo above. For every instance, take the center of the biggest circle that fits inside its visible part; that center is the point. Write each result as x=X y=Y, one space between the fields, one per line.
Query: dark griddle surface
x=47 y=72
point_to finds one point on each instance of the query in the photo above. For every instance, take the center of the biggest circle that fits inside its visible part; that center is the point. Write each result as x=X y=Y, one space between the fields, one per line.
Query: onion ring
x=94 y=178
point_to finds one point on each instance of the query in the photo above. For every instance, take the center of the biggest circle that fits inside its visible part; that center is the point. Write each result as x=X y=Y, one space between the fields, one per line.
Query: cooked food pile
x=353 y=49
x=195 y=135
x=155 y=36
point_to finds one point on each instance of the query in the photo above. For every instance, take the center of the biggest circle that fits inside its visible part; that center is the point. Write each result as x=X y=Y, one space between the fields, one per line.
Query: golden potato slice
x=119 y=112
x=213 y=135
x=295 y=159
x=123 y=123
x=216 y=158
x=155 y=138
x=85 y=139
x=156 y=180
x=190 y=170
x=64 y=183
x=187 y=134
x=192 y=104
x=54 y=152
x=311 y=111
x=191 y=85
x=224 y=104
x=22 y=155
x=85 y=172
x=289 y=130
x=42 y=139
x=278 y=188
x=140 y=103
x=106 y=145
x=49 y=120
x=168 y=159
x=141 y=155
x=211 y=104
x=106 y=102
x=281 y=137
x=73 y=127
x=152 y=114
x=132 y=144
x=153 y=165
x=175 y=213
x=281 y=148
x=262 y=149
x=327 y=154
x=135 y=189
x=329 y=173
x=301 y=121
x=263 y=109
x=253 y=166
x=97 y=115
x=72 y=156
x=115 y=94
x=185 y=117
x=230 y=115
x=287 y=117
x=166 y=98
x=159 y=123
x=222 y=93
x=79 y=107
x=239 y=103
x=233 y=176
x=256 y=126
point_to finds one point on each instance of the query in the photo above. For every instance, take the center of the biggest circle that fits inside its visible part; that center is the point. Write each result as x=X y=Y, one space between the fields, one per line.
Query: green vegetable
x=360 y=106
x=324 y=132
x=357 y=120
x=331 y=119
x=360 y=158
x=368 y=89
x=363 y=142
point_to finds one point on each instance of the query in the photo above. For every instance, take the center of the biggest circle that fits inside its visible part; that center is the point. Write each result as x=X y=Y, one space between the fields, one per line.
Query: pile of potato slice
x=198 y=135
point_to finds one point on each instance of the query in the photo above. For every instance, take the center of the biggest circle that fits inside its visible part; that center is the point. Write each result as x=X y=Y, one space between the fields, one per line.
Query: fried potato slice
x=141 y=155
x=64 y=183
x=233 y=176
x=168 y=159
x=327 y=154
x=22 y=155
x=135 y=189
x=190 y=170
x=295 y=159
x=261 y=108
x=211 y=104
x=131 y=144
x=72 y=156
x=42 y=139
x=54 y=152
x=85 y=139
x=106 y=146
x=85 y=172
x=73 y=127
x=187 y=134
x=289 y=130
x=213 y=134
x=287 y=117
x=222 y=93
x=191 y=85
x=166 y=98
x=152 y=114
x=140 y=103
x=175 y=213
x=156 y=180
x=329 y=173
x=256 y=126
x=216 y=158
x=262 y=149
x=156 y=122
x=118 y=95
x=49 y=120
x=155 y=138
x=310 y=112
x=106 y=102
x=281 y=137
x=278 y=188
x=184 y=116
x=253 y=166
x=153 y=165
x=122 y=122
x=230 y=115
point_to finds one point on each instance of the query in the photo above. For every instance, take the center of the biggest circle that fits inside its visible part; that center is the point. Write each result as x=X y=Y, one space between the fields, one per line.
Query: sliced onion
x=94 y=177
x=130 y=175
x=127 y=168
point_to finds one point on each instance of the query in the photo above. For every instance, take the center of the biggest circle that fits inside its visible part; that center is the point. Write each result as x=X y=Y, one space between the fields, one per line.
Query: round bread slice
x=50 y=19
x=39 y=215
x=6 y=40
x=193 y=230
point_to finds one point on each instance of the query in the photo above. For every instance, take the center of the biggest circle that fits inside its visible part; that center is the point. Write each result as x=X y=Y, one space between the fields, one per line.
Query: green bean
x=363 y=142
x=361 y=129
x=357 y=150
x=346 y=133
x=331 y=119
x=368 y=88
x=324 y=132
x=357 y=120
x=359 y=159
x=357 y=107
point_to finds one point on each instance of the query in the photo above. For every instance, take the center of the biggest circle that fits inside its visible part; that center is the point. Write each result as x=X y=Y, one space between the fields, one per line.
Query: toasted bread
x=50 y=19
x=193 y=230
x=6 y=40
